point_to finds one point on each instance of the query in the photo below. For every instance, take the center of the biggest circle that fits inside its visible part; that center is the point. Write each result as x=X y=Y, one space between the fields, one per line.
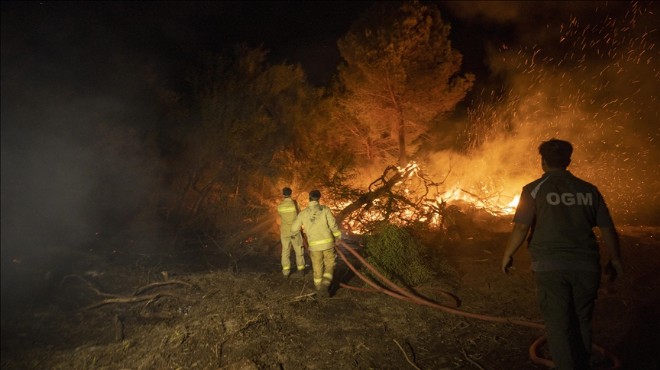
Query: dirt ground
x=114 y=308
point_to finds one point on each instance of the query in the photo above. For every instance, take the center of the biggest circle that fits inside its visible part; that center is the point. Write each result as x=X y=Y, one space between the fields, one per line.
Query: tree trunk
x=403 y=158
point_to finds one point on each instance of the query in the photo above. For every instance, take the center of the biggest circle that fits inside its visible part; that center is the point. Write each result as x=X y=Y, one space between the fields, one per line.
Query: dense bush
x=397 y=255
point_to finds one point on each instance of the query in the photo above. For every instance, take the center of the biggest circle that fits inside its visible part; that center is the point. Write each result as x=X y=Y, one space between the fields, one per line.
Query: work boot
x=323 y=292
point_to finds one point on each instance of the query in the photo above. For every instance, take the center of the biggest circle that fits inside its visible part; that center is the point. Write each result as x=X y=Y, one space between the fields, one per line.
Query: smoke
x=75 y=164
x=589 y=76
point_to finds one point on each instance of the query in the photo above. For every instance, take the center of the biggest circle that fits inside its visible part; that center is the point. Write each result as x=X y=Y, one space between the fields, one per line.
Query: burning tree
x=400 y=74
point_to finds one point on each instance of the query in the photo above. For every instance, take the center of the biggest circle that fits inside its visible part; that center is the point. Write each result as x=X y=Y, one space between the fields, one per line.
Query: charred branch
x=377 y=189
x=137 y=296
x=404 y=195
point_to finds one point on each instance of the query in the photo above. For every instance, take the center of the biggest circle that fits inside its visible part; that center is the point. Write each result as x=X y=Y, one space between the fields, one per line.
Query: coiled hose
x=400 y=293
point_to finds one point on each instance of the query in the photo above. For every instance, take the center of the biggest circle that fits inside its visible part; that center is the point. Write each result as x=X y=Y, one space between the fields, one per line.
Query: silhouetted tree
x=244 y=114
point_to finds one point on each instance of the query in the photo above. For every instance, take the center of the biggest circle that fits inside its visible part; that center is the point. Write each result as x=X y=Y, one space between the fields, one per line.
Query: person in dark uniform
x=559 y=212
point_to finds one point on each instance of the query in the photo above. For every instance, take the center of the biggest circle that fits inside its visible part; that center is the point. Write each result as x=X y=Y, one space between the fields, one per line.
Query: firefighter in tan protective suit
x=322 y=233
x=288 y=210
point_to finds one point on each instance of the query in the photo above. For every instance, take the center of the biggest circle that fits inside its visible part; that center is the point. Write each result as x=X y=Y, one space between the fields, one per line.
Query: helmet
x=314 y=195
x=286 y=192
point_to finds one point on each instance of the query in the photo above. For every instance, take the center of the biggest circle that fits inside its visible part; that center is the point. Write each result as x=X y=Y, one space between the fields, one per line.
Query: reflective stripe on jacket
x=319 y=225
x=288 y=211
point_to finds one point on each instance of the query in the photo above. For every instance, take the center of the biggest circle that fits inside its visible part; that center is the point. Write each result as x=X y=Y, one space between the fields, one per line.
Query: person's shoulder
x=583 y=182
x=314 y=208
x=327 y=210
x=532 y=184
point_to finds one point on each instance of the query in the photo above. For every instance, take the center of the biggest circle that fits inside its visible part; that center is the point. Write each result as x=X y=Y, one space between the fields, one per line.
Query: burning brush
x=406 y=196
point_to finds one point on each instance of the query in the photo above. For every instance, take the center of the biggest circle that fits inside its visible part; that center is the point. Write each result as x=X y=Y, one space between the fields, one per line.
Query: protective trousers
x=323 y=265
x=566 y=299
x=287 y=243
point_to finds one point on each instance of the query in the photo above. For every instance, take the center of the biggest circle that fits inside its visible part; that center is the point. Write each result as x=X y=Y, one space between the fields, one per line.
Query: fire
x=495 y=205
x=405 y=196
x=514 y=203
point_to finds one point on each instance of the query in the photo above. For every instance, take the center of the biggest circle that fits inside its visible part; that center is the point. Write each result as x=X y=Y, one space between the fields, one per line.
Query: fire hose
x=400 y=293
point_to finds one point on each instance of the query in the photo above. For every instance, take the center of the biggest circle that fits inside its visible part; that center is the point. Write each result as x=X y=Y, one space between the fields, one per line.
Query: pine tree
x=399 y=75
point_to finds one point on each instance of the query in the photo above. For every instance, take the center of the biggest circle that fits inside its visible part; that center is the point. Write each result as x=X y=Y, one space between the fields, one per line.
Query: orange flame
x=429 y=208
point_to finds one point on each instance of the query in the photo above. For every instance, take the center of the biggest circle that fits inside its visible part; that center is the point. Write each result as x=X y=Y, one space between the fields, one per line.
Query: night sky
x=87 y=43
x=68 y=67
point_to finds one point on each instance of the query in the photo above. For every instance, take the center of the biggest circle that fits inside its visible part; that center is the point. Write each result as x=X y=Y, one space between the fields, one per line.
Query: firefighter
x=322 y=233
x=556 y=214
x=288 y=210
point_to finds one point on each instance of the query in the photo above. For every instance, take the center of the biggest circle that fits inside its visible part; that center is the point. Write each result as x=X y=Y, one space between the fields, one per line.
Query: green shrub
x=397 y=255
